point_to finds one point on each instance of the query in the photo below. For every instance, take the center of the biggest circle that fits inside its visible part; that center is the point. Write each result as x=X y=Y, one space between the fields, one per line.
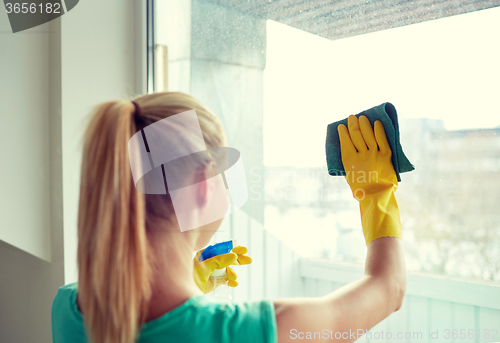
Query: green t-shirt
x=199 y=319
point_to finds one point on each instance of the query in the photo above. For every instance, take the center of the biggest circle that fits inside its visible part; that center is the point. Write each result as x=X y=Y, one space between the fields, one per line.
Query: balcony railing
x=470 y=311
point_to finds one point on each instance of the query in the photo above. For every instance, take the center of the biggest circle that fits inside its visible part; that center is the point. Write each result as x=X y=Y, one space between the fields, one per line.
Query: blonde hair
x=114 y=255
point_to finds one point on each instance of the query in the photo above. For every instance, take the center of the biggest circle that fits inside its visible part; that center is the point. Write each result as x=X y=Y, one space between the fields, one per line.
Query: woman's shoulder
x=67 y=321
x=220 y=321
x=68 y=289
x=65 y=292
x=207 y=306
x=65 y=296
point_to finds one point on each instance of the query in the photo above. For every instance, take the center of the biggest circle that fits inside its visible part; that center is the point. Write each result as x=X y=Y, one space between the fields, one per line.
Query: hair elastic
x=137 y=112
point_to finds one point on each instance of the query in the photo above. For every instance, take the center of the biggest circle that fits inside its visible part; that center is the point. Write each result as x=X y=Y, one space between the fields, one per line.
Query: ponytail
x=113 y=251
x=114 y=257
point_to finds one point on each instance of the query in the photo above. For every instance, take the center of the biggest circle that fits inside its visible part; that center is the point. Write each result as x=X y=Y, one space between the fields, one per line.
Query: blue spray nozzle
x=218 y=249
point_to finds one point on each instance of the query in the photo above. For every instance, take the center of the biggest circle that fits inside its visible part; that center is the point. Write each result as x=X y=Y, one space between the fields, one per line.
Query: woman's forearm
x=385 y=262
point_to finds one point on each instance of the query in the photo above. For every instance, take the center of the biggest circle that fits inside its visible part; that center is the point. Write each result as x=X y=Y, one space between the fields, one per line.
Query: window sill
x=476 y=293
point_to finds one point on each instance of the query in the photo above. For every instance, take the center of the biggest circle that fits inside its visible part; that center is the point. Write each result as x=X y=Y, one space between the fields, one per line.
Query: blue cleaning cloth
x=387 y=114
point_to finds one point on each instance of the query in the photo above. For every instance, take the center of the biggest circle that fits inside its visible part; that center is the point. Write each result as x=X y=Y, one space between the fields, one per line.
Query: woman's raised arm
x=347 y=313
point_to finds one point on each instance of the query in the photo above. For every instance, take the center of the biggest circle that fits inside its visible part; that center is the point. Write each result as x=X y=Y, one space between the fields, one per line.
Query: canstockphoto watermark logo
x=26 y=14
x=167 y=156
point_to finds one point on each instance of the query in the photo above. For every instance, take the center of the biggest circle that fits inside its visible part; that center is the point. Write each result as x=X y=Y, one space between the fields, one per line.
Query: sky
x=446 y=69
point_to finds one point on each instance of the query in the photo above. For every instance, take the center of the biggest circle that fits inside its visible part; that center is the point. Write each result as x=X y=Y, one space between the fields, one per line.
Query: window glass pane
x=442 y=76
x=276 y=87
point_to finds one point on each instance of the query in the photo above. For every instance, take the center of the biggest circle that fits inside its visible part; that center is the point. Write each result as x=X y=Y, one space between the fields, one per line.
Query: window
x=276 y=88
x=442 y=76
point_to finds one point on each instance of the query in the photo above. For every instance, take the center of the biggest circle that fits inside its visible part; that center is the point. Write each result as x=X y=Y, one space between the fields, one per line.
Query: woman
x=136 y=267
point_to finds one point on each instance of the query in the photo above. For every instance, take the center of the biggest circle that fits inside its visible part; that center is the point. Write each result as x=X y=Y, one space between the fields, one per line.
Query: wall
x=31 y=265
x=52 y=76
x=97 y=65
x=24 y=143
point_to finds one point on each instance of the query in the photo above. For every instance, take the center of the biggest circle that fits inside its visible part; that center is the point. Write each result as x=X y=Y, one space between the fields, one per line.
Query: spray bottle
x=217 y=286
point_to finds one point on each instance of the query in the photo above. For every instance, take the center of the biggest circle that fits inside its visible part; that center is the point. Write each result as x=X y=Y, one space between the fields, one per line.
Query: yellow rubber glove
x=366 y=156
x=202 y=270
